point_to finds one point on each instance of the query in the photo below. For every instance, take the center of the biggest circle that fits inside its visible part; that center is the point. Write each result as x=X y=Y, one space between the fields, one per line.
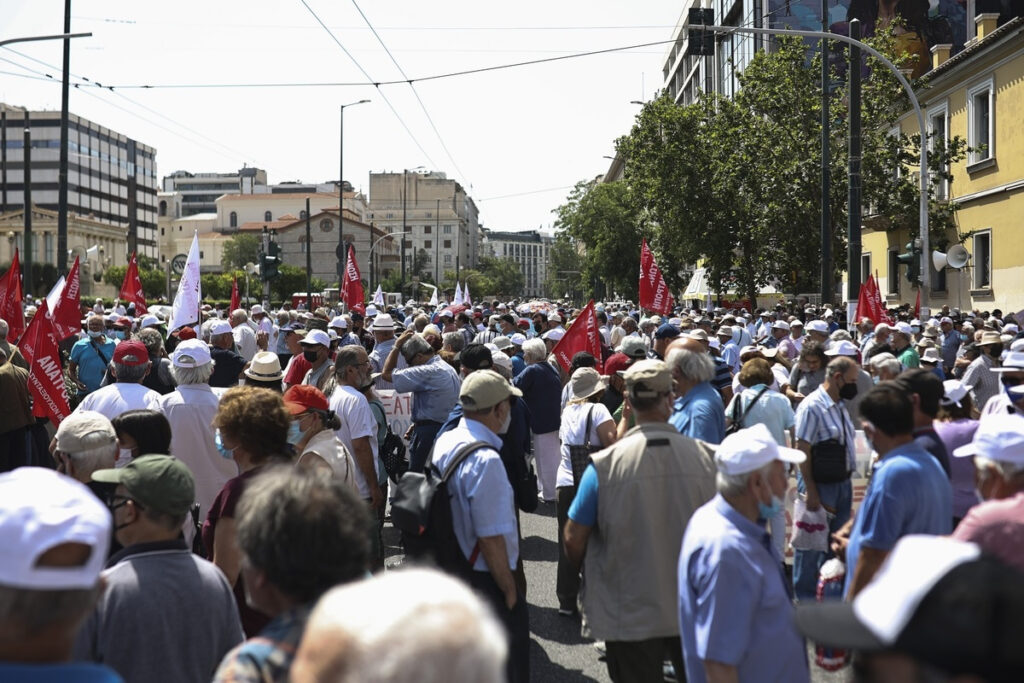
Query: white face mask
x=124 y=456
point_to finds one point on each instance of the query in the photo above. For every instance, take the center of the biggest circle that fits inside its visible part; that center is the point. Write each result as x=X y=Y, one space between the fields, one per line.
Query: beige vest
x=649 y=484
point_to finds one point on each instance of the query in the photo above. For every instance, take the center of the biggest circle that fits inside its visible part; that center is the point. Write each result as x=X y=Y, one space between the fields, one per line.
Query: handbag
x=738 y=413
x=828 y=462
x=579 y=456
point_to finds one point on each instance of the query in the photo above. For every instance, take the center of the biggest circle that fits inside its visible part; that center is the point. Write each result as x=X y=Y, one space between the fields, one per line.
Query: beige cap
x=484 y=389
x=648 y=378
x=84 y=430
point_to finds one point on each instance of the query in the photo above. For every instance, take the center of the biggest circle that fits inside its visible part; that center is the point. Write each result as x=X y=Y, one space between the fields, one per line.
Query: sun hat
x=160 y=482
x=131 y=353
x=648 y=378
x=931 y=356
x=517 y=339
x=265 y=367
x=553 y=335
x=751 y=449
x=954 y=392
x=148 y=320
x=817 y=326
x=1014 y=362
x=340 y=322
x=585 y=382
x=220 y=327
x=382 y=323
x=314 y=337
x=780 y=325
x=842 y=348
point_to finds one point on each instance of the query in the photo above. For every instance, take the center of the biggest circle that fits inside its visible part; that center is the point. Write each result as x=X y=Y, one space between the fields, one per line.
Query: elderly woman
x=584 y=420
x=541 y=389
x=885 y=366
x=312 y=433
x=252 y=430
x=809 y=372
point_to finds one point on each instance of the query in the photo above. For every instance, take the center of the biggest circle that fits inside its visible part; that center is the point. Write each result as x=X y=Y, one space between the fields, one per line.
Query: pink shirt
x=998 y=527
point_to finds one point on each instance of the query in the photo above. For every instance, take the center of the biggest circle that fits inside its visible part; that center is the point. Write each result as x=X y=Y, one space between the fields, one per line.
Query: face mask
x=295 y=432
x=915 y=329
x=95 y=334
x=311 y=356
x=226 y=453
x=876 y=379
x=963 y=337
x=769 y=511
x=118 y=334
x=124 y=456
x=848 y=391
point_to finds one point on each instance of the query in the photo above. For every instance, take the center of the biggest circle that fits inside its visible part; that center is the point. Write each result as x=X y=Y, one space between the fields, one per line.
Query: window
x=161 y=232
x=430 y=214
x=163 y=208
x=201 y=255
x=893 y=285
x=268 y=216
x=427 y=244
x=865 y=266
x=447 y=244
x=447 y=259
x=983 y=260
x=980 y=128
x=426 y=229
x=232 y=220
x=897 y=169
x=938 y=126
x=407 y=228
x=447 y=229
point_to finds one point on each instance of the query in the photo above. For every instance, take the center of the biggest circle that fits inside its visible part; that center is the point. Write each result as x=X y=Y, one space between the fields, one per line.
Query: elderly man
x=262 y=320
x=909 y=492
x=698 y=412
x=997 y=525
x=349 y=636
x=358 y=431
x=664 y=336
x=627 y=521
x=15 y=414
x=790 y=346
x=316 y=349
x=950 y=344
x=155 y=579
x=130 y=366
x=877 y=343
x=227 y=363
x=435 y=388
x=383 y=330
x=243 y=334
x=614 y=393
x=91 y=356
x=483 y=507
x=902 y=346
x=779 y=331
x=735 y=605
x=730 y=351
x=300 y=535
x=542 y=388
x=697 y=341
x=11 y=352
x=190 y=410
x=925 y=391
x=979 y=376
x=55 y=541
x=825 y=432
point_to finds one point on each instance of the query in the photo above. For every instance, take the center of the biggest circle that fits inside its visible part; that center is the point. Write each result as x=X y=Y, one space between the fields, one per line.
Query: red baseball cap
x=617 y=362
x=303 y=397
x=131 y=353
x=186 y=333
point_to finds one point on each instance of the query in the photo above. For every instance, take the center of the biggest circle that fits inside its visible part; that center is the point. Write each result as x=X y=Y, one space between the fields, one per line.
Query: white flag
x=185 y=309
x=378 y=297
x=53 y=298
x=433 y=298
x=465 y=295
x=457 y=299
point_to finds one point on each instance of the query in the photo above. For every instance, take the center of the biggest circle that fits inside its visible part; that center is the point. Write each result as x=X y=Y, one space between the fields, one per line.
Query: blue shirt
x=481 y=497
x=518 y=364
x=819 y=418
x=734 y=603
x=62 y=672
x=731 y=355
x=542 y=391
x=435 y=385
x=700 y=414
x=87 y=355
x=584 y=506
x=908 y=494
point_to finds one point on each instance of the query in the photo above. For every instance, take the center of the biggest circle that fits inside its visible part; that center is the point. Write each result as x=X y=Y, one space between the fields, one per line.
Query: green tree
x=565 y=265
x=239 y=250
x=154 y=282
x=504 y=277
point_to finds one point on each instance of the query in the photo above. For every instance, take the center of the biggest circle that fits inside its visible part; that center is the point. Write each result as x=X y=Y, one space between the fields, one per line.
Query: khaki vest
x=649 y=484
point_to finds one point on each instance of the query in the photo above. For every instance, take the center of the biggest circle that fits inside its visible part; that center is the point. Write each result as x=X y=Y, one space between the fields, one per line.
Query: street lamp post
x=374 y=246
x=342 y=251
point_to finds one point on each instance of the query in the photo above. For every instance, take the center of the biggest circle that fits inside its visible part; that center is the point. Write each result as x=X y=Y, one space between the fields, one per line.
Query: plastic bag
x=810 y=528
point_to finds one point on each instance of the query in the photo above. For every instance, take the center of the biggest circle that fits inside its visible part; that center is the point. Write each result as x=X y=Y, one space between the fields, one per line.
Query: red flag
x=67 y=313
x=351 y=285
x=917 y=305
x=10 y=300
x=864 y=303
x=582 y=335
x=654 y=293
x=45 y=375
x=236 y=302
x=131 y=288
x=879 y=307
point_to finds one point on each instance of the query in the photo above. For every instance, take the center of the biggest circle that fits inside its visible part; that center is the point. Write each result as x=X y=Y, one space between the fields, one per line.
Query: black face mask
x=848 y=391
x=311 y=356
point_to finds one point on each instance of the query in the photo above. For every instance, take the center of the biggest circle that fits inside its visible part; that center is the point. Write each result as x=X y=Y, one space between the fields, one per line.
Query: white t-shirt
x=574 y=421
x=245 y=340
x=114 y=399
x=356 y=422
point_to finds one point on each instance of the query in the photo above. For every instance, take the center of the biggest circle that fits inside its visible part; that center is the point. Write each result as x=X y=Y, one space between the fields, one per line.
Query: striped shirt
x=985 y=383
x=819 y=418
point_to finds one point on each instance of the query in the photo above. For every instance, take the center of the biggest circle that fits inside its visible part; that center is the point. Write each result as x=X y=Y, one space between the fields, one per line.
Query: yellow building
x=978 y=95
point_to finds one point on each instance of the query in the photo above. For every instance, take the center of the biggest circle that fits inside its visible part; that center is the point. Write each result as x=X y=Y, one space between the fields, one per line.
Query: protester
x=1011 y=377
x=141 y=432
x=808 y=372
x=735 y=606
x=580 y=359
x=86 y=442
x=955 y=428
x=227 y=363
x=299 y=534
x=15 y=414
x=902 y=336
x=160 y=600
x=91 y=356
x=252 y=430
x=979 y=376
x=316 y=349
x=10 y=351
x=159 y=376
x=312 y=432
x=698 y=412
x=626 y=525
x=243 y=334
x=55 y=535
x=541 y=388
x=264 y=372
x=129 y=367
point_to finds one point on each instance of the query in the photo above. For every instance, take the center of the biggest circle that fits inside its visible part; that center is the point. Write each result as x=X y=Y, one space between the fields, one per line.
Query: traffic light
x=912 y=259
x=699 y=41
x=269 y=262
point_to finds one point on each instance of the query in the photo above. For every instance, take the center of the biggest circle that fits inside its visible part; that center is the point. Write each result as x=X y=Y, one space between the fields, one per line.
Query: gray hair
x=414 y=346
x=346 y=356
x=197 y=375
x=153 y=341
x=238 y=316
x=890 y=365
x=98 y=453
x=473 y=649
x=421 y=322
x=840 y=335
x=730 y=485
x=129 y=374
x=4 y=328
x=534 y=350
x=695 y=367
x=453 y=341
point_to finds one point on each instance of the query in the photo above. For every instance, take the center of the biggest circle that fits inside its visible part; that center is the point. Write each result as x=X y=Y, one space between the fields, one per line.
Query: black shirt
x=227 y=366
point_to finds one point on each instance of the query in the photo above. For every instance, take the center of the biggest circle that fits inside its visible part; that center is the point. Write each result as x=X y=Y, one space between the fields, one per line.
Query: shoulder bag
x=579 y=456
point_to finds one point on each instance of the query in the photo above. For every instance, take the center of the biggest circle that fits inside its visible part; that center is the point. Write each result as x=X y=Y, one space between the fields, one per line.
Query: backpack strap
x=590 y=422
x=460 y=456
x=739 y=412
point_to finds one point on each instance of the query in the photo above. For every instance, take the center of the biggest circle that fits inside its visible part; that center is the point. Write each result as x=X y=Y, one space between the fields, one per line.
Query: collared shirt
x=788 y=347
x=950 y=345
x=723 y=374
x=357 y=421
x=734 y=602
x=435 y=386
x=731 y=355
x=269 y=655
x=985 y=383
x=700 y=414
x=227 y=366
x=380 y=353
x=998 y=527
x=245 y=340
x=819 y=418
x=908 y=494
x=114 y=399
x=482 y=499
x=909 y=358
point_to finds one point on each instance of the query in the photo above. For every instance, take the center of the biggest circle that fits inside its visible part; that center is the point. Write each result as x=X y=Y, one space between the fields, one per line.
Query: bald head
x=687 y=343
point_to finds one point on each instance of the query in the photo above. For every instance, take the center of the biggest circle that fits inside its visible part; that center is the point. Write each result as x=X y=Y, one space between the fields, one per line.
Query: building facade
x=529 y=249
x=111 y=177
x=199 y=191
x=442 y=223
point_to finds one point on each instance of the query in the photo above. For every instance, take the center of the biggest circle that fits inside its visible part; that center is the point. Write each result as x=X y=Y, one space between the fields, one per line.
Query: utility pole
x=309 y=261
x=854 y=209
x=26 y=277
x=263 y=268
x=3 y=161
x=826 y=180
x=62 y=173
x=437 y=244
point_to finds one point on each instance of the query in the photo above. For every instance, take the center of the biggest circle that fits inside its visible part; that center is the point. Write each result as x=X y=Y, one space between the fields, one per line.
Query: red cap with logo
x=131 y=352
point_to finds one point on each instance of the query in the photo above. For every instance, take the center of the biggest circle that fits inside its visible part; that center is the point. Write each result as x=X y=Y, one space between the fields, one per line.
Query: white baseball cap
x=904 y=328
x=842 y=348
x=148 y=320
x=817 y=326
x=220 y=327
x=554 y=335
x=256 y=309
x=371 y=311
x=954 y=391
x=751 y=449
x=339 y=322
x=40 y=510
x=191 y=353
x=518 y=338
x=999 y=437
x=780 y=325
x=314 y=337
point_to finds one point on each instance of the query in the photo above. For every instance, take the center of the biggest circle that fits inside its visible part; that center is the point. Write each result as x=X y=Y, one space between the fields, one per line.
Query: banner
x=582 y=335
x=185 y=309
x=66 y=313
x=917 y=305
x=10 y=300
x=654 y=293
x=352 y=287
x=131 y=288
x=45 y=375
x=236 y=301
x=465 y=295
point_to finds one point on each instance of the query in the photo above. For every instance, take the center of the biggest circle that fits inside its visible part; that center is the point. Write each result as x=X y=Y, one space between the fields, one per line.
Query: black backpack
x=392 y=455
x=421 y=510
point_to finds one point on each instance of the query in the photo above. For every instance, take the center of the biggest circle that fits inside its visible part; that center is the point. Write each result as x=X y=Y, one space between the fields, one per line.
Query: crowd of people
x=213 y=507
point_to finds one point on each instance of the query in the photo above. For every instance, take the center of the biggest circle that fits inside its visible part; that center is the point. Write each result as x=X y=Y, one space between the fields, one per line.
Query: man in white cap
x=817 y=330
x=228 y=364
x=483 y=507
x=997 y=525
x=730 y=351
x=262 y=320
x=1011 y=376
x=316 y=348
x=903 y=348
x=383 y=330
x=864 y=381
x=735 y=603
x=55 y=535
x=340 y=325
x=790 y=346
x=779 y=331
